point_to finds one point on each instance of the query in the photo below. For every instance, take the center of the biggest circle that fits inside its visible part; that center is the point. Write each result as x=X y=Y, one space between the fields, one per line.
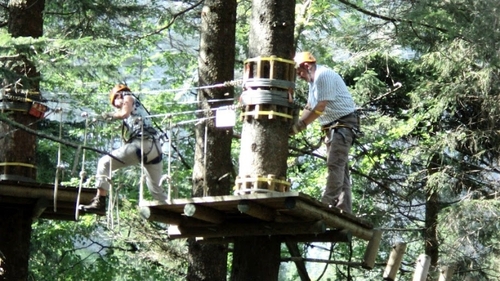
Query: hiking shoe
x=97 y=206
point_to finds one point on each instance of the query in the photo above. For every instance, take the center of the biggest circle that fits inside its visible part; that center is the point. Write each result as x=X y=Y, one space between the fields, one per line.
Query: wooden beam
x=203 y=213
x=446 y=272
x=257 y=211
x=372 y=250
x=422 y=268
x=40 y=206
x=250 y=229
x=331 y=220
x=394 y=261
x=347 y=263
x=159 y=215
x=36 y=191
x=262 y=212
x=328 y=236
x=293 y=248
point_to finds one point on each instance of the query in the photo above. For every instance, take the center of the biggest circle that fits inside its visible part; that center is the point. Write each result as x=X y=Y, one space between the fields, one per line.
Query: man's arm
x=309 y=115
x=126 y=109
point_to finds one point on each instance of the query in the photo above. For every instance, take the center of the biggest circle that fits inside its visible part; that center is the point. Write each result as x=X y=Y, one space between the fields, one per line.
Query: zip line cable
x=170 y=115
x=232 y=83
x=196 y=102
x=227 y=84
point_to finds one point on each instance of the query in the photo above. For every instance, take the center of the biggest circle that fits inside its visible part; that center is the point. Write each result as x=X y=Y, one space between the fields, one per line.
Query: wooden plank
x=257 y=211
x=263 y=212
x=225 y=199
x=394 y=261
x=335 y=221
x=446 y=272
x=372 y=250
x=329 y=236
x=250 y=229
x=159 y=215
x=274 y=200
x=203 y=213
x=36 y=191
x=33 y=195
x=422 y=268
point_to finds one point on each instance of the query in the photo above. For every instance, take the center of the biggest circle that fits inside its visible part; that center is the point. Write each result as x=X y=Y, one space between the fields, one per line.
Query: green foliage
x=469 y=235
x=424 y=74
x=89 y=250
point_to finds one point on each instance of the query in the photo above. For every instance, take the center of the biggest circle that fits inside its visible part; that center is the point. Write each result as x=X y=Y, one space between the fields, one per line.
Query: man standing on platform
x=330 y=102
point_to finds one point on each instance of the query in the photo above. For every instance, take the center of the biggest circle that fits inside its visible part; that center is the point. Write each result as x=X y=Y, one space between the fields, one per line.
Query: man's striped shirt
x=328 y=85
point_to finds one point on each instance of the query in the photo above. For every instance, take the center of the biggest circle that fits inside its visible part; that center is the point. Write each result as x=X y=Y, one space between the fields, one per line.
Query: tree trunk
x=26 y=18
x=213 y=166
x=264 y=140
x=431 y=216
x=18 y=148
x=15 y=233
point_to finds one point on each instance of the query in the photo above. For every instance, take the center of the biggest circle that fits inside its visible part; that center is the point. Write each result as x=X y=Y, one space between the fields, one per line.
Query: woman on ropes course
x=137 y=128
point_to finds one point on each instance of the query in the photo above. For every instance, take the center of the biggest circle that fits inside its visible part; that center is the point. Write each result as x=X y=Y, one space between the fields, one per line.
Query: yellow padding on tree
x=267 y=112
x=262 y=179
x=270 y=59
x=18 y=164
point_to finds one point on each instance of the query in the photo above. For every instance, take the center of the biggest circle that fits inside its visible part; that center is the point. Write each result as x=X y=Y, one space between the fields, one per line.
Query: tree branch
x=5 y=119
x=393 y=20
x=175 y=16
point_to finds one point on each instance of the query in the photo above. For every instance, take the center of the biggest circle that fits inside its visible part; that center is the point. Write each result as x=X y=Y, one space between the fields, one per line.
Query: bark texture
x=213 y=168
x=264 y=142
x=18 y=147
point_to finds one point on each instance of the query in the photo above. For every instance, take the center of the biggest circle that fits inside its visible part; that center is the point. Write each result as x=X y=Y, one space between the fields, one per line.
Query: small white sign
x=225 y=117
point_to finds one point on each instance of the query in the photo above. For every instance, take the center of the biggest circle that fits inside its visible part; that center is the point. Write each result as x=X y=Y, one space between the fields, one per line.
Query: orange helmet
x=116 y=89
x=303 y=57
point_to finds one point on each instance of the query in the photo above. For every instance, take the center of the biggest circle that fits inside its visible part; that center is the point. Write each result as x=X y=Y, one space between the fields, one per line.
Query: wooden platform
x=40 y=197
x=259 y=214
x=296 y=216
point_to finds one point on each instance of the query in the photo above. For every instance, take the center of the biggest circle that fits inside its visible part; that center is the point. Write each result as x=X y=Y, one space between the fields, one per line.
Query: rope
x=205 y=148
x=141 y=184
x=269 y=113
x=109 y=214
x=272 y=58
x=18 y=164
x=262 y=179
x=170 y=115
x=231 y=83
x=115 y=206
x=169 y=164
x=197 y=101
x=83 y=174
x=59 y=166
